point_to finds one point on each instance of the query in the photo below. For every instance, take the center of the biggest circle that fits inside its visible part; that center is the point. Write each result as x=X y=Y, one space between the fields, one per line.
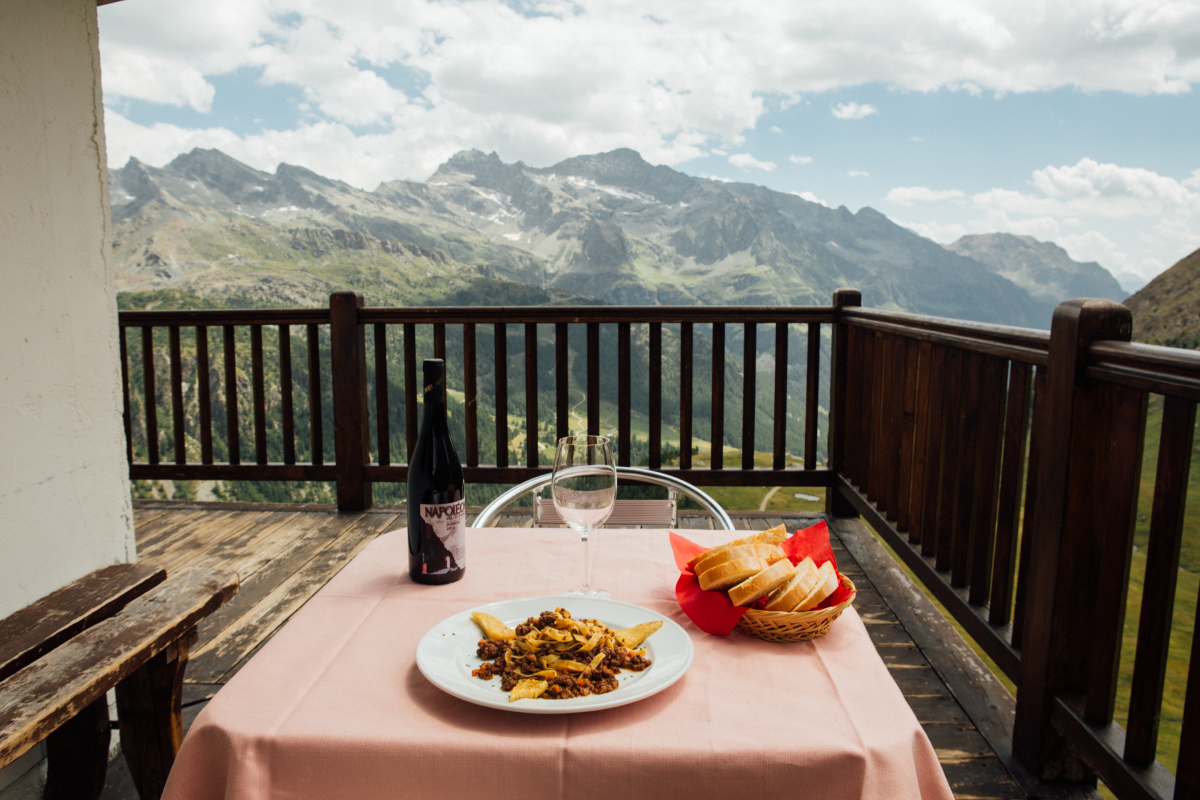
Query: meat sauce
x=601 y=680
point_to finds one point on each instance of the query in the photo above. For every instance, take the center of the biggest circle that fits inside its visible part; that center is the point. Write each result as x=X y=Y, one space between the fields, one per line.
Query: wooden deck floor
x=284 y=554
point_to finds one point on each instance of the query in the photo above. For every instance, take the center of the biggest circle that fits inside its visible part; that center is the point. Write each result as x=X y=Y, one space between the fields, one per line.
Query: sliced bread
x=771 y=552
x=760 y=585
x=827 y=583
x=731 y=573
x=773 y=536
x=789 y=595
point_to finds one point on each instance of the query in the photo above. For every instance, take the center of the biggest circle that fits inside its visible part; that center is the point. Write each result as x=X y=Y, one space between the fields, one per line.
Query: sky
x=1075 y=121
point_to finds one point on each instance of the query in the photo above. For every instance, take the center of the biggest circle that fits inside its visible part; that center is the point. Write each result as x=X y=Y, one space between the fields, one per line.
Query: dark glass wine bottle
x=437 y=508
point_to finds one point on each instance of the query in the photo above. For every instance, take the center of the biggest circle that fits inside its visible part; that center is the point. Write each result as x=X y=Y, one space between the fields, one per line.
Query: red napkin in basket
x=712 y=611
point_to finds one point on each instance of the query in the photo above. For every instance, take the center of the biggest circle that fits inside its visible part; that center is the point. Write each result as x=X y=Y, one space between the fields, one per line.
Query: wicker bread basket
x=787 y=626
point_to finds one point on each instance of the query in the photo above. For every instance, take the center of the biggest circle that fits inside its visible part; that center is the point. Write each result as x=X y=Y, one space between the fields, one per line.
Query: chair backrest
x=651 y=513
x=657 y=513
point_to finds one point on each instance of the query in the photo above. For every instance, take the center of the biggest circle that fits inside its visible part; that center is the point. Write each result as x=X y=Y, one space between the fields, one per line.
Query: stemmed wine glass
x=584 y=488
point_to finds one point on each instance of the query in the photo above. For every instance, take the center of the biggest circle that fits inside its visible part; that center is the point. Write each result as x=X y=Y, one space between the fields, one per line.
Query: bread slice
x=789 y=595
x=771 y=552
x=827 y=583
x=773 y=536
x=730 y=573
x=750 y=590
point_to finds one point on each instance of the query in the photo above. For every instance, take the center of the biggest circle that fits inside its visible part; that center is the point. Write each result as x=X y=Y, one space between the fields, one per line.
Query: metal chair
x=625 y=512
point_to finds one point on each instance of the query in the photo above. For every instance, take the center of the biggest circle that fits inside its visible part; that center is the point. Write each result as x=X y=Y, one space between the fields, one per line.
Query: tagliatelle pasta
x=555 y=656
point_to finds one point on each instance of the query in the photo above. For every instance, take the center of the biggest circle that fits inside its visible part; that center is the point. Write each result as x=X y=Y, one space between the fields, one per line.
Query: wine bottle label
x=443 y=537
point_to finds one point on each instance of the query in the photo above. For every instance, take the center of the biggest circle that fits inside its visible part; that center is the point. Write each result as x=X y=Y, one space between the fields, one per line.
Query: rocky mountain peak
x=626 y=169
x=1043 y=269
x=217 y=171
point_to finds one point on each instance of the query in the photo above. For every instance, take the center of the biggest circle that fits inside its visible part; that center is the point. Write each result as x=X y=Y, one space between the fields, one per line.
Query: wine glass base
x=595 y=594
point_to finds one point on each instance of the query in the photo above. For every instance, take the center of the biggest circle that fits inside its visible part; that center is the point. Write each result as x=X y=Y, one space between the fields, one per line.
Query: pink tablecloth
x=334 y=706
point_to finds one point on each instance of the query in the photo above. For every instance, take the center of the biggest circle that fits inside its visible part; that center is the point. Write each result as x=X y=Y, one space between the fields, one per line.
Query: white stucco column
x=64 y=487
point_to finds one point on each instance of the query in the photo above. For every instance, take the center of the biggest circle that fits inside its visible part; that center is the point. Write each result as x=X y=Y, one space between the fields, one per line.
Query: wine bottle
x=437 y=508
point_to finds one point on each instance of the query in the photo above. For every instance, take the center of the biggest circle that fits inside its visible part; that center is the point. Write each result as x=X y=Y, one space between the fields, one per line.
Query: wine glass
x=584 y=488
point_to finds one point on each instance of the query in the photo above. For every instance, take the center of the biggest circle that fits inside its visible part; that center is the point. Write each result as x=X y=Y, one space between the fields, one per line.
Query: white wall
x=64 y=488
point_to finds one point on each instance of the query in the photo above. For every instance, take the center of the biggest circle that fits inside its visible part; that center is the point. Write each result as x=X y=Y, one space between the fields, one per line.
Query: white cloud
x=1126 y=218
x=943 y=233
x=581 y=77
x=907 y=195
x=776 y=129
x=858 y=173
x=812 y=198
x=747 y=161
x=853 y=110
x=800 y=160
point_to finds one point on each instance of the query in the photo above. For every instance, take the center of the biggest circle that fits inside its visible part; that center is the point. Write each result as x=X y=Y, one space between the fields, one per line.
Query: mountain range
x=598 y=228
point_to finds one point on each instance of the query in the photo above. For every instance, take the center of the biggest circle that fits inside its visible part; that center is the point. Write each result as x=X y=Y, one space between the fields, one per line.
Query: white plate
x=446 y=654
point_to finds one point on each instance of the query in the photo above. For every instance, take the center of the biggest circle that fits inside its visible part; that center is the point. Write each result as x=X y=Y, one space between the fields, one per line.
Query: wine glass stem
x=587 y=565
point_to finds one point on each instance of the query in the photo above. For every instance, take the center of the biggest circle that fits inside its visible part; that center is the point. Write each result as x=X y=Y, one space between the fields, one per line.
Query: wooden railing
x=1002 y=465
x=355 y=468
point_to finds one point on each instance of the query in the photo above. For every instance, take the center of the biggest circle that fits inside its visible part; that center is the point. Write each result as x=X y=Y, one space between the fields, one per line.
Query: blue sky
x=1075 y=124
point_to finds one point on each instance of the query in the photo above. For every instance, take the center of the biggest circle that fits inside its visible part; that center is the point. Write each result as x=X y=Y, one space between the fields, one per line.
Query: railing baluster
x=655 y=395
x=1037 y=426
x=562 y=376
x=878 y=425
x=205 y=395
x=531 y=395
x=232 y=435
x=749 y=391
x=987 y=478
x=892 y=419
x=908 y=425
x=922 y=365
x=717 y=454
x=685 y=395
x=126 y=413
x=779 y=442
x=867 y=365
x=1012 y=471
x=1116 y=534
x=285 y=394
x=812 y=403
x=851 y=422
x=593 y=378
x=177 y=417
x=967 y=463
x=471 y=390
x=149 y=394
x=951 y=462
x=316 y=422
x=348 y=379
x=1162 y=569
x=383 y=435
x=1187 y=772
x=501 y=354
x=260 y=394
x=439 y=340
x=934 y=447
x=624 y=378
x=411 y=390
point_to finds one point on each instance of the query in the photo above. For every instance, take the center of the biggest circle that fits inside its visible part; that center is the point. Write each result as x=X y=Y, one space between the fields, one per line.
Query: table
x=334 y=706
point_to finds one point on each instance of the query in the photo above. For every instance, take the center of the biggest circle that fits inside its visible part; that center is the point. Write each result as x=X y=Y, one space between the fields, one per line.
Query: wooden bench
x=127 y=627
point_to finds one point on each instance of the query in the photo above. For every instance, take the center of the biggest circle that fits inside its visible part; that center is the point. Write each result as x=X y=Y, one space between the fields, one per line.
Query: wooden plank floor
x=284 y=554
